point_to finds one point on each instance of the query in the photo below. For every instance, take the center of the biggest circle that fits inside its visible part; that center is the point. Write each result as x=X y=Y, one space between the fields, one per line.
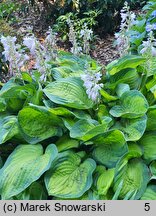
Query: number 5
x=147 y=207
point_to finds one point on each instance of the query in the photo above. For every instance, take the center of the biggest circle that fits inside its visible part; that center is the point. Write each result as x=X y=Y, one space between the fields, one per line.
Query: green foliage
x=7 y=18
x=7 y=8
x=88 y=19
x=69 y=178
x=66 y=146
x=24 y=166
x=103 y=15
x=143 y=25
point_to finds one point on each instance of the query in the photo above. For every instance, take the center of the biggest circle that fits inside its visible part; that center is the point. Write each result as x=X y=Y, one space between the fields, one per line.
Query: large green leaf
x=87 y=129
x=102 y=113
x=150 y=193
x=130 y=61
x=122 y=88
x=38 y=123
x=66 y=113
x=8 y=128
x=16 y=94
x=106 y=96
x=104 y=181
x=64 y=71
x=134 y=150
x=153 y=169
x=66 y=143
x=129 y=76
x=2 y=104
x=134 y=177
x=34 y=192
x=109 y=148
x=151 y=120
x=69 y=92
x=148 y=143
x=110 y=137
x=24 y=166
x=133 y=104
x=69 y=177
x=13 y=89
x=133 y=129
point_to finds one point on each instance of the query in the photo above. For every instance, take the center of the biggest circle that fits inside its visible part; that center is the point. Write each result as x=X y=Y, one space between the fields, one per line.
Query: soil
x=105 y=52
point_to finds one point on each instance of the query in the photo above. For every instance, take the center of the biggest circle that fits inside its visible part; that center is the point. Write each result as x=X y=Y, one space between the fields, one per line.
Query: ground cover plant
x=71 y=128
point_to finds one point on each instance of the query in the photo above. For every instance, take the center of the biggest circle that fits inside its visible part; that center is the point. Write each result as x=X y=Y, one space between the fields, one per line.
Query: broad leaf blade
x=104 y=181
x=133 y=104
x=135 y=176
x=69 y=177
x=69 y=92
x=148 y=143
x=150 y=193
x=38 y=123
x=87 y=129
x=8 y=128
x=130 y=61
x=133 y=129
x=24 y=166
x=109 y=148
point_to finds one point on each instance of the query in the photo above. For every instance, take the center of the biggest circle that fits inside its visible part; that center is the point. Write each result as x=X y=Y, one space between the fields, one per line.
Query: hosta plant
x=87 y=132
x=136 y=28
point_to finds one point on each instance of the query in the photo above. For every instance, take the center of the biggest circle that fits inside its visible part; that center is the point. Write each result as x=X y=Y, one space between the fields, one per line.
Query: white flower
x=123 y=16
x=76 y=49
x=149 y=46
x=14 y=54
x=133 y=17
x=91 y=84
x=122 y=37
x=30 y=43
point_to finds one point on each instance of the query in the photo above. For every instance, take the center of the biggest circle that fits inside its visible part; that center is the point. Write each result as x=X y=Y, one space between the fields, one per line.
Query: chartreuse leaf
x=150 y=193
x=14 y=90
x=129 y=76
x=133 y=104
x=98 y=171
x=87 y=129
x=107 y=97
x=129 y=61
x=8 y=128
x=2 y=105
x=38 y=123
x=153 y=169
x=148 y=143
x=34 y=192
x=69 y=177
x=151 y=120
x=24 y=166
x=109 y=147
x=134 y=176
x=26 y=77
x=64 y=112
x=104 y=181
x=133 y=129
x=66 y=143
x=69 y=92
x=102 y=113
x=15 y=95
x=134 y=151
